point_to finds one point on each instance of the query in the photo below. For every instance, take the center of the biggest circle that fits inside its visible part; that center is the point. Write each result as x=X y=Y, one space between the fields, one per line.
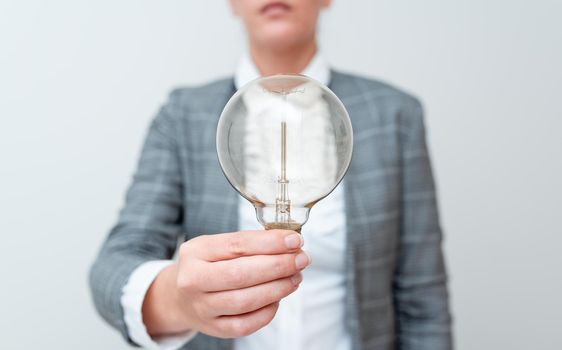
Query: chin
x=281 y=37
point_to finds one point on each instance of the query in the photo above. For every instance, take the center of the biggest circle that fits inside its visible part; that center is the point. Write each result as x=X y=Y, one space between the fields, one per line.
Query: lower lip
x=275 y=10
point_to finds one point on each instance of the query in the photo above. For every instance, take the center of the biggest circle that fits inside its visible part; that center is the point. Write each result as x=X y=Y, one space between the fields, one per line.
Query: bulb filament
x=282 y=202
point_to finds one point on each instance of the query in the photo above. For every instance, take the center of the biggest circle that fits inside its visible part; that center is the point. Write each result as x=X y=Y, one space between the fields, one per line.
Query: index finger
x=225 y=246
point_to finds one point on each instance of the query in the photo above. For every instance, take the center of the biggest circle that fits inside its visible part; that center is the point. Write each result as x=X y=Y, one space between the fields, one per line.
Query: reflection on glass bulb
x=284 y=142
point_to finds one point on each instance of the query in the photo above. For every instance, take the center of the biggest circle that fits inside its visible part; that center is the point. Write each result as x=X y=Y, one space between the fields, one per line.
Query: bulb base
x=293 y=226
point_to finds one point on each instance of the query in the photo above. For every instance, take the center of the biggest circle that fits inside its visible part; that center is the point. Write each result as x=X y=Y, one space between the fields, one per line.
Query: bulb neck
x=268 y=216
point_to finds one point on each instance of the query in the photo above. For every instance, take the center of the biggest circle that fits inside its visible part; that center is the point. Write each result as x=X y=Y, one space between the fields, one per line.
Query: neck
x=291 y=60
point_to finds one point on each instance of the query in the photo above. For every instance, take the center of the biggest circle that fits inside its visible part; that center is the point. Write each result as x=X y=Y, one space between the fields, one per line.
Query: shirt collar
x=247 y=71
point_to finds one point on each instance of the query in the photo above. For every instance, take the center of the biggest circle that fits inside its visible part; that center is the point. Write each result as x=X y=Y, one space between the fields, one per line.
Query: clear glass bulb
x=284 y=142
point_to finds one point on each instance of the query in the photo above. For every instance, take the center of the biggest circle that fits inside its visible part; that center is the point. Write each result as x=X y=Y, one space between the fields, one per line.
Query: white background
x=80 y=80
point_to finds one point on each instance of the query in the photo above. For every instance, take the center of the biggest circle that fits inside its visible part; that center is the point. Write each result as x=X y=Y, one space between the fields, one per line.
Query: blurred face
x=279 y=24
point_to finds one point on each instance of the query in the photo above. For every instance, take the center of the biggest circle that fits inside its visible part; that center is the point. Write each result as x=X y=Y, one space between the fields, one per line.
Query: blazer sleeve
x=150 y=222
x=420 y=281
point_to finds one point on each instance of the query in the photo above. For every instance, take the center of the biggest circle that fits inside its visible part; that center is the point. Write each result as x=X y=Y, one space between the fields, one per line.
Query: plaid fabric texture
x=396 y=280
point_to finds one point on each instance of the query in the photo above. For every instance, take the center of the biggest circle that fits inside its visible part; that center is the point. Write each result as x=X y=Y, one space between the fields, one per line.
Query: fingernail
x=296 y=279
x=293 y=241
x=302 y=260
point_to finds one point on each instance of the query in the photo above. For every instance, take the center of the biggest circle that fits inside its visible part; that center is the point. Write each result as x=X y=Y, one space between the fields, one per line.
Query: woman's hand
x=225 y=285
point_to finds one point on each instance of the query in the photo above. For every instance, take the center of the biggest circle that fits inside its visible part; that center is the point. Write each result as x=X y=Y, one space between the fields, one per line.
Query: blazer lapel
x=354 y=208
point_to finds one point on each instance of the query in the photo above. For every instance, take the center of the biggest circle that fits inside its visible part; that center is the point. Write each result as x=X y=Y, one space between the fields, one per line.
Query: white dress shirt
x=312 y=317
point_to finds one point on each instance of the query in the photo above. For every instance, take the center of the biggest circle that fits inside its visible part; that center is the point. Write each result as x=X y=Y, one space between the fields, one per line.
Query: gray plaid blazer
x=396 y=281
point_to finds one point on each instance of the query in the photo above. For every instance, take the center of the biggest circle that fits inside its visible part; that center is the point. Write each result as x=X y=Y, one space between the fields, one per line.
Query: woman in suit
x=371 y=275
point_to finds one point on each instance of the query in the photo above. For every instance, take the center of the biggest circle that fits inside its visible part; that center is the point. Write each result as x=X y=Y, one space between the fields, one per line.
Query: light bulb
x=284 y=142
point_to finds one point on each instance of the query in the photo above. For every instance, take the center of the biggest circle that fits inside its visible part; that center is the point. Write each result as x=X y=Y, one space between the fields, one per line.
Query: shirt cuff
x=132 y=300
